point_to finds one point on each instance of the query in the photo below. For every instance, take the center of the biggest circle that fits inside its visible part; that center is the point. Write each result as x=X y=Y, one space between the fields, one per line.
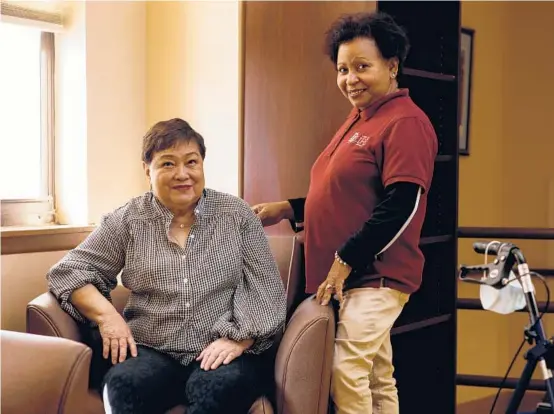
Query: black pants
x=153 y=383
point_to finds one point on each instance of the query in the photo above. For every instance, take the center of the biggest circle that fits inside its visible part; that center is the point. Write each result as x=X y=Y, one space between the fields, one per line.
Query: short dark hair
x=390 y=38
x=165 y=134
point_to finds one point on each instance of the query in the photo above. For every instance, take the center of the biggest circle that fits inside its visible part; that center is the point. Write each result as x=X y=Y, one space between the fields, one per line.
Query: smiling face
x=363 y=75
x=177 y=175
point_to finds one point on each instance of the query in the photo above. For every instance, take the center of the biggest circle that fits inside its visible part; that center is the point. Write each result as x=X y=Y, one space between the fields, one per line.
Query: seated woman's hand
x=222 y=351
x=116 y=337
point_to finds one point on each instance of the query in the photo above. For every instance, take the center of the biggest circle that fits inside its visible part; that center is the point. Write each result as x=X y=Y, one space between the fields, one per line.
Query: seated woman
x=206 y=296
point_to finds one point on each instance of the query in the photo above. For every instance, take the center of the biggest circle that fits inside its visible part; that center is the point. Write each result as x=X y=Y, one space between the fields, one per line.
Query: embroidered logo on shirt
x=359 y=140
x=354 y=138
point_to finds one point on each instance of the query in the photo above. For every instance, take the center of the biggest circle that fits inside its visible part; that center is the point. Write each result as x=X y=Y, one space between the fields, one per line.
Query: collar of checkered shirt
x=204 y=208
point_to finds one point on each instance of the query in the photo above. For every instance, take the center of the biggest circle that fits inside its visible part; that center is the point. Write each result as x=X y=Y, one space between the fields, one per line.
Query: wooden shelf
x=444 y=158
x=507 y=233
x=434 y=239
x=429 y=75
x=421 y=324
x=494 y=382
x=475 y=304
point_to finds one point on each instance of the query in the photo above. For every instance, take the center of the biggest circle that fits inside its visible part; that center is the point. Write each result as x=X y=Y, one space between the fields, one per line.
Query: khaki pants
x=362 y=380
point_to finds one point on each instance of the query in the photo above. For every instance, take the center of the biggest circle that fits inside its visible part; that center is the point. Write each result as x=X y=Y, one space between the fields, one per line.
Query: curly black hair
x=390 y=38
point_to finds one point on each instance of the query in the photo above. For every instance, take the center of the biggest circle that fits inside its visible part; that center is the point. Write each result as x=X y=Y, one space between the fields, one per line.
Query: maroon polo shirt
x=391 y=141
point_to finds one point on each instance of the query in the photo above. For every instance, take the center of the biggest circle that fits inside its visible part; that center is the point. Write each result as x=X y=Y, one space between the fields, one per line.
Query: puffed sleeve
x=97 y=261
x=259 y=304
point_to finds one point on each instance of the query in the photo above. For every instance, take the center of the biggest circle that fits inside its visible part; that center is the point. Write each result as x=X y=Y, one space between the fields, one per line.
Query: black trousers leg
x=230 y=388
x=150 y=383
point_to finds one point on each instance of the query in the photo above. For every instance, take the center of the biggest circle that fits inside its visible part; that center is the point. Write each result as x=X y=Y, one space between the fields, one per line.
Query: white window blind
x=44 y=15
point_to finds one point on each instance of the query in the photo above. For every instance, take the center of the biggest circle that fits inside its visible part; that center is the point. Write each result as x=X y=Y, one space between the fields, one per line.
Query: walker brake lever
x=492 y=275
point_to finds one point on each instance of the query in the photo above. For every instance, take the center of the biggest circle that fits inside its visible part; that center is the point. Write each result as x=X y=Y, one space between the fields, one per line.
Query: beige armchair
x=45 y=375
x=304 y=355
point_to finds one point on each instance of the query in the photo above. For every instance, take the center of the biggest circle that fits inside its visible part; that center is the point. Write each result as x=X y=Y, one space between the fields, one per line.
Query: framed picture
x=464 y=105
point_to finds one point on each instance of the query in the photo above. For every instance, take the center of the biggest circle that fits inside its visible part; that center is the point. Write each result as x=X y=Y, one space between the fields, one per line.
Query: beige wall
x=116 y=105
x=71 y=117
x=193 y=72
x=23 y=278
x=510 y=146
x=101 y=109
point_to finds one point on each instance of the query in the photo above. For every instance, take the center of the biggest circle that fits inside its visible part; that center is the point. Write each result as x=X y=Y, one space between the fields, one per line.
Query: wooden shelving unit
x=424 y=337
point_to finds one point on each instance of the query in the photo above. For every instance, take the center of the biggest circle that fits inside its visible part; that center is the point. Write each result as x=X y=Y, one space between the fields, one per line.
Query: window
x=26 y=125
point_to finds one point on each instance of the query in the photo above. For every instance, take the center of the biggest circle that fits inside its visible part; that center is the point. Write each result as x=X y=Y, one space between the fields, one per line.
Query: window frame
x=40 y=211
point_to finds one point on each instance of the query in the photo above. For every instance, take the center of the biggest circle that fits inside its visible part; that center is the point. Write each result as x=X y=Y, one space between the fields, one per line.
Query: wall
x=23 y=278
x=101 y=110
x=528 y=114
x=193 y=72
x=116 y=103
x=510 y=145
x=70 y=187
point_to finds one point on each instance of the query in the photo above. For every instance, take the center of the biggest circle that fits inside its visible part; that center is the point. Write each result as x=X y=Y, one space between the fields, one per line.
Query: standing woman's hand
x=334 y=283
x=273 y=213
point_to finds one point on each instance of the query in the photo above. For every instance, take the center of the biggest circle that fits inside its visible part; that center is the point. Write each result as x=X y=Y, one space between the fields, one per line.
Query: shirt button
x=183 y=257
x=192 y=236
x=186 y=280
x=196 y=211
x=187 y=305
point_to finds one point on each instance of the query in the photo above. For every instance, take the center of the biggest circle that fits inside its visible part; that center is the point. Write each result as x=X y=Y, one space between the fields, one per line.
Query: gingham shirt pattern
x=224 y=283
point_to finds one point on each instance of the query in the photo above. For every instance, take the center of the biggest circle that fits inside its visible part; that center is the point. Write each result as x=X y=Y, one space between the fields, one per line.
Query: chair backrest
x=287 y=252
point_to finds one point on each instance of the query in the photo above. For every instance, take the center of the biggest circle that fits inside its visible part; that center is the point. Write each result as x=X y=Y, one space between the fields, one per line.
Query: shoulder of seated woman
x=136 y=208
x=228 y=203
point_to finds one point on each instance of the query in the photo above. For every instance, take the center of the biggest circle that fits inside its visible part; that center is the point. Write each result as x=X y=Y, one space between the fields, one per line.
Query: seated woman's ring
x=329 y=286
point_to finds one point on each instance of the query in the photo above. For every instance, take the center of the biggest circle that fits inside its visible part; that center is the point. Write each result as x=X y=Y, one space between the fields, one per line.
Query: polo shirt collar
x=374 y=107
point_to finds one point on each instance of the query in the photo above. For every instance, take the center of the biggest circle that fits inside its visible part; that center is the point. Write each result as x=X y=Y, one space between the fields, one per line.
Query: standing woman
x=365 y=208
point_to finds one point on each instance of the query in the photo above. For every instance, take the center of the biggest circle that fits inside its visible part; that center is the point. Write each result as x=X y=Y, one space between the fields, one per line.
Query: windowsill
x=33 y=239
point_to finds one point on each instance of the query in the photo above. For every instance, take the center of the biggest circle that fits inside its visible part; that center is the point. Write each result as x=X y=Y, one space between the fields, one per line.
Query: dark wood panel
x=433 y=29
x=292 y=106
x=425 y=365
x=431 y=77
x=439 y=100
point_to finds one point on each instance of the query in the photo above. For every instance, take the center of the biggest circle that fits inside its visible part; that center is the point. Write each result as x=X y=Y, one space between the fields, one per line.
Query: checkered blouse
x=224 y=283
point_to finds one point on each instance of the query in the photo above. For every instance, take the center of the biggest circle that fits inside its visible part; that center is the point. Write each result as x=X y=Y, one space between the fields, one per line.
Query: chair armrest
x=304 y=360
x=42 y=374
x=46 y=317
